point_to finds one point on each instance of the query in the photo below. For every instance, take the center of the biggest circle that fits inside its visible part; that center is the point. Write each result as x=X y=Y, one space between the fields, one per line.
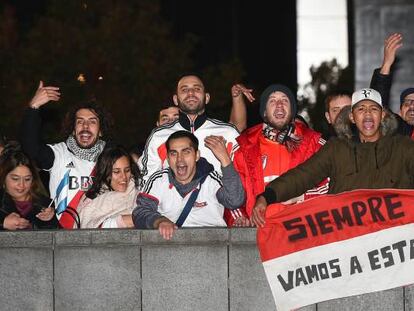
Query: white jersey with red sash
x=70 y=177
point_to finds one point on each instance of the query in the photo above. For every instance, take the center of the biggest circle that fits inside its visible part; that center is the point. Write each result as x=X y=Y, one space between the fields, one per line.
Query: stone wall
x=374 y=20
x=200 y=269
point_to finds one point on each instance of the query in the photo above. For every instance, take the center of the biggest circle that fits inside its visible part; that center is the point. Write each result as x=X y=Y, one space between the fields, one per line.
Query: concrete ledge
x=26 y=239
x=89 y=278
x=243 y=236
x=188 y=236
x=72 y=237
x=26 y=278
x=392 y=299
x=184 y=277
x=199 y=269
x=118 y=237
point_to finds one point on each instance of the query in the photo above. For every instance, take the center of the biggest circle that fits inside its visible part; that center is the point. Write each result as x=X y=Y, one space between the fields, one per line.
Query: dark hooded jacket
x=7 y=206
x=351 y=164
x=382 y=83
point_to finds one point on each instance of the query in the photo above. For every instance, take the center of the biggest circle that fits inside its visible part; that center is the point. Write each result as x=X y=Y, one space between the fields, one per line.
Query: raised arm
x=381 y=78
x=30 y=136
x=231 y=194
x=238 y=114
x=391 y=45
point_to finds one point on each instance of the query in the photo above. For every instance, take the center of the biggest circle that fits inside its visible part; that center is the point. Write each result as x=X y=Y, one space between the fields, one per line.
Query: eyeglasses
x=408 y=102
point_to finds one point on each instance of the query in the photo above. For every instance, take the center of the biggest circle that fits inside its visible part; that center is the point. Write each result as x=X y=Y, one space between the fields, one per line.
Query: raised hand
x=43 y=95
x=239 y=89
x=217 y=145
x=391 y=45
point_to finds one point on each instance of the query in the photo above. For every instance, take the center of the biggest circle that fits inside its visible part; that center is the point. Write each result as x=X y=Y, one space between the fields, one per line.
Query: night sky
x=261 y=34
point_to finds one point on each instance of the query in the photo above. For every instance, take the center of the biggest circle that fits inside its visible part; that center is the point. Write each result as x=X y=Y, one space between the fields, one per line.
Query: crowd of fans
x=197 y=171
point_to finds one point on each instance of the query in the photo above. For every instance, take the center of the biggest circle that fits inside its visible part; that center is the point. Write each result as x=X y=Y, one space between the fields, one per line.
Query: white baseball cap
x=366 y=94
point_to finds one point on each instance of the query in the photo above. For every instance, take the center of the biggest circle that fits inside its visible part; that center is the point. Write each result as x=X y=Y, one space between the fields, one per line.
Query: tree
x=8 y=43
x=220 y=78
x=123 y=54
x=327 y=78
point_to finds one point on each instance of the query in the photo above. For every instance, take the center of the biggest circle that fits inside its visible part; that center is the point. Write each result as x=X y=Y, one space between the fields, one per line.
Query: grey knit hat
x=277 y=88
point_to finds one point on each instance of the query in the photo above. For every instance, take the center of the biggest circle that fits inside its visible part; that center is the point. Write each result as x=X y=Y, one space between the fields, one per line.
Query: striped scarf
x=285 y=137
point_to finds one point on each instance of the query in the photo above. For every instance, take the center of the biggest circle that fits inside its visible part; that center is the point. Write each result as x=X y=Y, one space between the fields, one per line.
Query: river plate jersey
x=207 y=211
x=154 y=157
x=77 y=171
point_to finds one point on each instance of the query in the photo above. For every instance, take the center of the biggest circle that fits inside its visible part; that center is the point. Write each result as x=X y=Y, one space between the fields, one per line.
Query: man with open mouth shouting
x=271 y=148
x=189 y=193
x=70 y=163
x=367 y=154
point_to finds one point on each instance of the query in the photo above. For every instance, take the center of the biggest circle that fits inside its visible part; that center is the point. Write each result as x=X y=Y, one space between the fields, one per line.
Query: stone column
x=374 y=21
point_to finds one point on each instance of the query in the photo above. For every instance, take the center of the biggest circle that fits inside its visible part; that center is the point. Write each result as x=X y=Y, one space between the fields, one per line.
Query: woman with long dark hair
x=110 y=201
x=23 y=204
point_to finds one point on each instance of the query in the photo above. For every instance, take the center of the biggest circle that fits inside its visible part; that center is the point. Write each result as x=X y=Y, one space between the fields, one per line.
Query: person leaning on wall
x=23 y=204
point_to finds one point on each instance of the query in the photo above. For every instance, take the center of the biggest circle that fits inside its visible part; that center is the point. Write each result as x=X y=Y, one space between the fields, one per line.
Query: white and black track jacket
x=154 y=157
x=163 y=196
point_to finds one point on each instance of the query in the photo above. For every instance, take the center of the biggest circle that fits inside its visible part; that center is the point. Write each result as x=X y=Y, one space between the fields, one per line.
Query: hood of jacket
x=203 y=168
x=344 y=128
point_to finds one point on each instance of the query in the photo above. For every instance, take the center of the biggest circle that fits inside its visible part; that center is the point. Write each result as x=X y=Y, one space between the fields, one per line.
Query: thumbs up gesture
x=43 y=95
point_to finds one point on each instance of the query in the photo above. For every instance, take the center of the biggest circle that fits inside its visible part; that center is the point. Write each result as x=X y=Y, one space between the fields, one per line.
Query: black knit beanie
x=277 y=88
x=405 y=93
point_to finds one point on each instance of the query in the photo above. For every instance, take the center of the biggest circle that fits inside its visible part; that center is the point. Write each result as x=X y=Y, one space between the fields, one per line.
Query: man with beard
x=238 y=115
x=407 y=105
x=191 y=99
x=70 y=163
x=372 y=157
x=189 y=192
x=273 y=147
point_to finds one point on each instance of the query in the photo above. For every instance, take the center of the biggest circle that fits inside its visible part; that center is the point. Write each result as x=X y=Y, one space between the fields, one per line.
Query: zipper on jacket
x=356 y=159
x=191 y=124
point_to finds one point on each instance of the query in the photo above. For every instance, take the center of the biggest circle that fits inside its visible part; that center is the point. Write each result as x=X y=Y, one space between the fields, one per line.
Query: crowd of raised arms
x=196 y=171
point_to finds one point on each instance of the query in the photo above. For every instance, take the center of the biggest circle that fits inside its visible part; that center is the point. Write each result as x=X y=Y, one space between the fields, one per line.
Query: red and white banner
x=339 y=245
